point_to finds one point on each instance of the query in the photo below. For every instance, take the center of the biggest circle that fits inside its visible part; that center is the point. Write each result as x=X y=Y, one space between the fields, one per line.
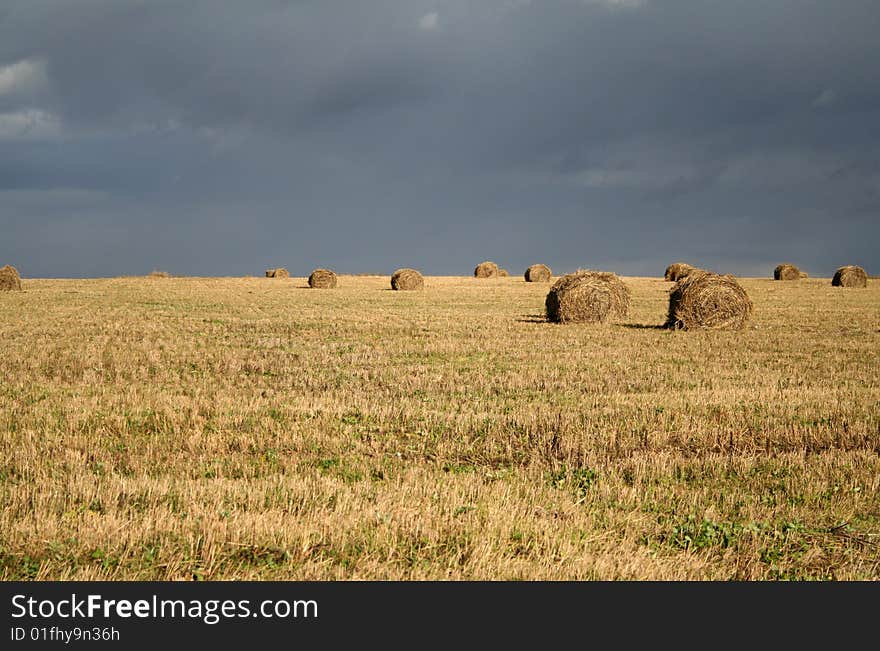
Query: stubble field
x=251 y=428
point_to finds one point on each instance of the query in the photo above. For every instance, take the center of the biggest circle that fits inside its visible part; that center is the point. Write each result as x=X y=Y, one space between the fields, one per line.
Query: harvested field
x=239 y=429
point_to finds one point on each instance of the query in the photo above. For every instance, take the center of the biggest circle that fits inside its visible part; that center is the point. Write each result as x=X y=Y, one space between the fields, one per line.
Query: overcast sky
x=220 y=138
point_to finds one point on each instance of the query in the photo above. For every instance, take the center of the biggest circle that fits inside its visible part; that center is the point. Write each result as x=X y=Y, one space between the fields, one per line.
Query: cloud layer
x=368 y=136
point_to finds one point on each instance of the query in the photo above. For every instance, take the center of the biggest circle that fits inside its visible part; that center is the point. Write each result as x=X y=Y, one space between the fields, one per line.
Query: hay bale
x=407 y=279
x=9 y=279
x=280 y=272
x=503 y=273
x=678 y=270
x=708 y=300
x=787 y=271
x=850 y=276
x=486 y=269
x=538 y=273
x=587 y=297
x=322 y=279
x=155 y=273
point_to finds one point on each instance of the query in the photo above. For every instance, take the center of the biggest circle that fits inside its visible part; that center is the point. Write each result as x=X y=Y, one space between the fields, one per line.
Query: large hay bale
x=9 y=279
x=280 y=272
x=677 y=270
x=587 y=297
x=787 y=271
x=503 y=273
x=487 y=269
x=850 y=276
x=155 y=273
x=538 y=273
x=407 y=279
x=708 y=300
x=322 y=279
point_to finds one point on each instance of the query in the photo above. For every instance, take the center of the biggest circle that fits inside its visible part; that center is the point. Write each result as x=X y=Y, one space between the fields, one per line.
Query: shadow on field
x=532 y=318
x=642 y=326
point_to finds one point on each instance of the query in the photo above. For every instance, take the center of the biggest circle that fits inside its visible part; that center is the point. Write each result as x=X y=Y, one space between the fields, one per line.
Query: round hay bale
x=708 y=300
x=280 y=272
x=9 y=279
x=850 y=276
x=587 y=297
x=322 y=279
x=677 y=271
x=407 y=279
x=486 y=269
x=538 y=273
x=503 y=273
x=159 y=274
x=787 y=271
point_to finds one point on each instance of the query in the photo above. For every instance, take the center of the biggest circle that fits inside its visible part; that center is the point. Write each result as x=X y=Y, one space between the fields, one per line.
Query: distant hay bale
x=708 y=300
x=503 y=273
x=850 y=276
x=280 y=272
x=9 y=279
x=155 y=273
x=587 y=297
x=677 y=271
x=407 y=279
x=486 y=269
x=538 y=273
x=322 y=279
x=787 y=271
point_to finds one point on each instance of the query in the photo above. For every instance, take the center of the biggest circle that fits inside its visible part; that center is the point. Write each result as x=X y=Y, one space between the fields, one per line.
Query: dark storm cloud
x=220 y=137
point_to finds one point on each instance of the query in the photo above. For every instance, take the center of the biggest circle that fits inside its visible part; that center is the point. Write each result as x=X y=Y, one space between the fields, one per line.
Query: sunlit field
x=252 y=428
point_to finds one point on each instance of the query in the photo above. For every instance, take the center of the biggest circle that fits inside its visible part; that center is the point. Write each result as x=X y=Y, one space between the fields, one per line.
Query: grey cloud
x=730 y=134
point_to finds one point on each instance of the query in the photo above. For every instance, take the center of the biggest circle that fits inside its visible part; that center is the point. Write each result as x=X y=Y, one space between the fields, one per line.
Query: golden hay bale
x=486 y=269
x=677 y=271
x=538 y=273
x=708 y=300
x=850 y=276
x=503 y=273
x=322 y=279
x=407 y=279
x=787 y=271
x=587 y=297
x=155 y=273
x=9 y=279
x=280 y=272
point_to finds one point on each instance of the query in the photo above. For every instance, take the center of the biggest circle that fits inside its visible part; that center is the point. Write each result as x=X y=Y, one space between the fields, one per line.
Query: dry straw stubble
x=538 y=273
x=322 y=279
x=850 y=276
x=9 y=279
x=587 y=296
x=709 y=301
x=407 y=279
x=487 y=269
x=415 y=443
